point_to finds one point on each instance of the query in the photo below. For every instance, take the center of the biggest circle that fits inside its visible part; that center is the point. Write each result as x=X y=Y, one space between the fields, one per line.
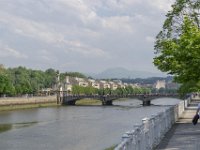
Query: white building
x=94 y=83
x=160 y=84
x=113 y=85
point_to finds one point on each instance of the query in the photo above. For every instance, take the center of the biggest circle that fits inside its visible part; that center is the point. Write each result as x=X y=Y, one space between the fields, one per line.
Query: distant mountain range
x=120 y=73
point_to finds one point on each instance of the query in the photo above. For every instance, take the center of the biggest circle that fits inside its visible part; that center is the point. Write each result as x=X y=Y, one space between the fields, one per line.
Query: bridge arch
x=108 y=99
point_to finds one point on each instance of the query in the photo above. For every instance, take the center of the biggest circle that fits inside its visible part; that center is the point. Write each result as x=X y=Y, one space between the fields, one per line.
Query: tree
x=177 y=45
x=6 y=86
x=181 y=57
x=172 y=27
x=50 y=77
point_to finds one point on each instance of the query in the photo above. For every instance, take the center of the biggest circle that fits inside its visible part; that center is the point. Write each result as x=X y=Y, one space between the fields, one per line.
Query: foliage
x=172 y=27
x=177 y=45
x=20 y=80
x=119 y=91
x=150 y=80
x=6 y=86
x=76 y=89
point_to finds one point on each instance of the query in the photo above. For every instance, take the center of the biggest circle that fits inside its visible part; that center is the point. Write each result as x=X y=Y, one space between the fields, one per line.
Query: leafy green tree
x=129 y=90
x=100 y=91
x=6 y=86
x=146 y=90
x=181 y=56
x=50 y=77
x=177 y=45
x=172 y=27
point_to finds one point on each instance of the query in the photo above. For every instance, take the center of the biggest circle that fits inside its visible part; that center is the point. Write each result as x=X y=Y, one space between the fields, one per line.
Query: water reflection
x=5 y=127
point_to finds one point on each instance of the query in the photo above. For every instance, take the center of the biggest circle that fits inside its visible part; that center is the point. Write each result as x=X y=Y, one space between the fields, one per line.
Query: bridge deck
x=183 y=135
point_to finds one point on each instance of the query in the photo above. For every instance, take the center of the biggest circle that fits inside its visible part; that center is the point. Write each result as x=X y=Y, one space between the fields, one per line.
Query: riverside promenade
x=171 y=129
x=183 y=135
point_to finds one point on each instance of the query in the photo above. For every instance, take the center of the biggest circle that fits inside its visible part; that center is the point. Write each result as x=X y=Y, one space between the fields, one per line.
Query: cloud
x=163 y=5
x=6 y=52
x=118 y=23
x=77 y=46
x=107 y=33
x=30 y=28
x=150 y=39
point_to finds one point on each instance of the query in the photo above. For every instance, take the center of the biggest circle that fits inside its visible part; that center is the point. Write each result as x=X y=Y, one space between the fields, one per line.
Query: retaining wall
x=26 y=100
x=148 y=134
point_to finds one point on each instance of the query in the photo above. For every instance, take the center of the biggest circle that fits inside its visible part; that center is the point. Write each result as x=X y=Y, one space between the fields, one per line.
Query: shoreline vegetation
x=88 y=101
x=19 y=103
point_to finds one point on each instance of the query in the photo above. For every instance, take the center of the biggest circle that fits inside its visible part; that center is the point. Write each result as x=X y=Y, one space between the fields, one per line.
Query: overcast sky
x=80 y=35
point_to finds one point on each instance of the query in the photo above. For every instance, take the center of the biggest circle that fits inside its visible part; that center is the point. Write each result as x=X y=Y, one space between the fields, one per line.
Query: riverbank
x=14 y=103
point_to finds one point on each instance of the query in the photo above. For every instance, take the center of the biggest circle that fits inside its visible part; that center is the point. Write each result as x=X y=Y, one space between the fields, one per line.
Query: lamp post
x=59 y=88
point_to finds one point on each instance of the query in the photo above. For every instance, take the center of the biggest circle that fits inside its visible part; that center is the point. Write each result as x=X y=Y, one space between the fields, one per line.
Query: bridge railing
x=149 y=133
x=144 y=97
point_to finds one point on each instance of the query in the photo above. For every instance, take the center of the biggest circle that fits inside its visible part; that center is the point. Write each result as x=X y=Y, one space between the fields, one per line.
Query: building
x=98 y=84
x=104 y=84
x=94 y=83
x=113 y=85
x=160 y=84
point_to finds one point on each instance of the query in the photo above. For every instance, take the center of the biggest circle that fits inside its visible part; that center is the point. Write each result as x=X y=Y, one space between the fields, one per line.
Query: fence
x=149 y=133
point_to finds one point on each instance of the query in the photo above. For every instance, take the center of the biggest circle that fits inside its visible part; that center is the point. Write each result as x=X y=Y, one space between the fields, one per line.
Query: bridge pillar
x=147 y=103
x=106 y=102
x=70 y=103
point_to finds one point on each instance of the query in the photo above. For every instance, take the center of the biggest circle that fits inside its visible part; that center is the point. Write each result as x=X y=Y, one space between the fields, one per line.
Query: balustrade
x=149 y=133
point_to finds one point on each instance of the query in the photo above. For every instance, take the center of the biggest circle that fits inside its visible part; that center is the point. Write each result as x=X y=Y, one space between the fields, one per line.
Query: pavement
x=183 y=135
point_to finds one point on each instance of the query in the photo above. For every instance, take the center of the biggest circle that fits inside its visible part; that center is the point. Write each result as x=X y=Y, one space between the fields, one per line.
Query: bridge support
x=106 y=102
x=70 y=103
x=147 y=103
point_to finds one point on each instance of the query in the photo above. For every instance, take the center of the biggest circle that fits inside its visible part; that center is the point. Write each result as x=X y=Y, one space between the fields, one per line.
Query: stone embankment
x=183 y=135
x=151 y=131
x=26 y=100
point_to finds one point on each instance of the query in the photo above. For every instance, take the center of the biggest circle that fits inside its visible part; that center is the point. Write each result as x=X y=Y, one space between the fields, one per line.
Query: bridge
x=108 y=99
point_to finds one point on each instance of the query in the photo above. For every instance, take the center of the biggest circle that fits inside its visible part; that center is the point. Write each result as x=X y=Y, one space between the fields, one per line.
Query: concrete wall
x=26 y=100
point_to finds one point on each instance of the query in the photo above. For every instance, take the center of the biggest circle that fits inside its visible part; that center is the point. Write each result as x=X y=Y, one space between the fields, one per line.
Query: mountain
x=125 y=73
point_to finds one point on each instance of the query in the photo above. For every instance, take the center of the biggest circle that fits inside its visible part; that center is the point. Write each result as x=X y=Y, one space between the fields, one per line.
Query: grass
x=88 y=102
x=93 y=101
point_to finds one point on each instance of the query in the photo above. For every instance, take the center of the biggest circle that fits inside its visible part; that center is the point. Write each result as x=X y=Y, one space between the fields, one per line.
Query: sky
x=87 y=36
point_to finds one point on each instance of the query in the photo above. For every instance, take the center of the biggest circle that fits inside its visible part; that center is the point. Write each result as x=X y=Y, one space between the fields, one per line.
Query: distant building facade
x=98 y=84
x=160 y=84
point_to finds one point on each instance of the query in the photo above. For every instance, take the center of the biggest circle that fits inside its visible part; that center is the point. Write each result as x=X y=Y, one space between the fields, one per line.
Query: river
x=74 y=127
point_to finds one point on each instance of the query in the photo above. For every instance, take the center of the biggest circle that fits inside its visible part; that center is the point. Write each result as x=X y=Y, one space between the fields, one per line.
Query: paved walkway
x=183 y=135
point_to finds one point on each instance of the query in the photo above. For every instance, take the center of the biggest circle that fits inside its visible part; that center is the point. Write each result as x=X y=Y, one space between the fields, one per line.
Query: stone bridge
x=108 y=99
